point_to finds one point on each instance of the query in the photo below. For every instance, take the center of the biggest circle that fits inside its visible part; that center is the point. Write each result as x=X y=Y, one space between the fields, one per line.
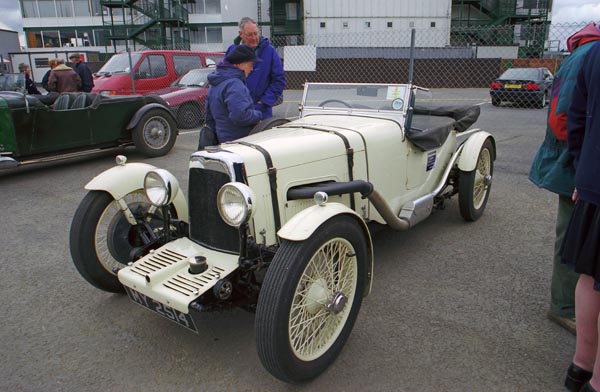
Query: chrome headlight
x=235 y=202
x=161 y=187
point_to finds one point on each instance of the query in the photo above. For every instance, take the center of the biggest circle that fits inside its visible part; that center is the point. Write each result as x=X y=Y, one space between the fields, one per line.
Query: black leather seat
x=63 y=102
x=79 y=102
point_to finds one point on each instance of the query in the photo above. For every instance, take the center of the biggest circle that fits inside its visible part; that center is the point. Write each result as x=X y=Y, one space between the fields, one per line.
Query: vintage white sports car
x=278 y=222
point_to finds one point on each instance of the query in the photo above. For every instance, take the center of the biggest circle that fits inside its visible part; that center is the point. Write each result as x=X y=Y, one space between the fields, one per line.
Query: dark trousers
x=564 y=280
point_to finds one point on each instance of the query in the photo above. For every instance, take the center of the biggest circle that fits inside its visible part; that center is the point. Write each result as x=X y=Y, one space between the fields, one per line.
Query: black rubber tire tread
x=187 y=122
x=268 y=124
x=496 y=101
x=542 y=102
x=467 y=182
x=277 y=292
x=82 y=243
x=138 y=134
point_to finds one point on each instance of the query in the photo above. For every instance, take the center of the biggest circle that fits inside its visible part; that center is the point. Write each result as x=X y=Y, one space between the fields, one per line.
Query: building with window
x=108 y=26
x=114 y=25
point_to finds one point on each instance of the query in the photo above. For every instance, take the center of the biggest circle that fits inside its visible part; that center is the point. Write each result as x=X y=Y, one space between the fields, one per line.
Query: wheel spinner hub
x=318 y=297
x=337 y=303
x=156 y=132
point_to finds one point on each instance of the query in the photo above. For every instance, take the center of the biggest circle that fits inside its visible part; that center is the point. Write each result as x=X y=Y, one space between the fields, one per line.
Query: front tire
x=310 y=299
x=101 y=239
x=155 y=133
x=474 y=186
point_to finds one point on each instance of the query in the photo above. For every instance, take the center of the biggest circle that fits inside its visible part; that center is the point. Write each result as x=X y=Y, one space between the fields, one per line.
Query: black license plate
x=183 y=319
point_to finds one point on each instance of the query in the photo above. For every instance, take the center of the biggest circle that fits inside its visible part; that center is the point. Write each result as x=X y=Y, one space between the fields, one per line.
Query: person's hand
x=575 y=196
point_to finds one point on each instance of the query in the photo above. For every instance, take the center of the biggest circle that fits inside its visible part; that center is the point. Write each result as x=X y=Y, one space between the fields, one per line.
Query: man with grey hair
x=63 y=79
x=267 y=80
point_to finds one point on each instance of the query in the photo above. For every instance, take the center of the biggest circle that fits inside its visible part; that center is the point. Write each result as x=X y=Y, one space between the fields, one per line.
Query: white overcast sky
x=563 y=11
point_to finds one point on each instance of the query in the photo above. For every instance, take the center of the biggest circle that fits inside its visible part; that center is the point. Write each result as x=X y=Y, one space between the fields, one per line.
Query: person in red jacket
x=552 y=170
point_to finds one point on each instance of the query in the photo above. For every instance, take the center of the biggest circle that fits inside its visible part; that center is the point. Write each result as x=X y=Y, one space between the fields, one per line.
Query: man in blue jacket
x=229 y=108
x=552 y=170
x=267 y=81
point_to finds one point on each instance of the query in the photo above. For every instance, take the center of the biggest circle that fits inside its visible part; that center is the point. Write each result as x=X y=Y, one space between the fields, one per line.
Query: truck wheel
x=102 y=240
x=474 y=186
x=310 y=299
x=268 y=124
x=155 y=134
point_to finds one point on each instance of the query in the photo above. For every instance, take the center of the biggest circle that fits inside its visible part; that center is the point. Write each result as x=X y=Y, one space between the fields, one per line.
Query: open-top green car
x=38 y=128
x=279 y=222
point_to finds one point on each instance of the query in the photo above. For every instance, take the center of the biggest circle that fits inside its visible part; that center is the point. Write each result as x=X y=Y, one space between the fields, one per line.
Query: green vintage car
x=39 y=128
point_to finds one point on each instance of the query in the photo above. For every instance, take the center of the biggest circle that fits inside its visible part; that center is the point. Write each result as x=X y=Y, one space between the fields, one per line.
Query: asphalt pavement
x=455 y=306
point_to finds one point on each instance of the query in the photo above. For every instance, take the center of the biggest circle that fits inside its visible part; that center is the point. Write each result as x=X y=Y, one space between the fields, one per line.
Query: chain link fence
x=469 y=57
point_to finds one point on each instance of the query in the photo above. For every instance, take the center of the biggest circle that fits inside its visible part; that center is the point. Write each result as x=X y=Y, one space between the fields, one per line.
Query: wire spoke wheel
x=102 y=239
x=319 y=308
x=474 y=186
x=310 y=299
x=155 y=134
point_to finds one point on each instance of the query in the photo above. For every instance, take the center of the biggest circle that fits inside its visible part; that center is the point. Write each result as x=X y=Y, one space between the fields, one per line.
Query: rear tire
x=155 y=133
x=310 y=299
x=189 y=116
x=496 y=101
x=474 y=186
x=542 y=102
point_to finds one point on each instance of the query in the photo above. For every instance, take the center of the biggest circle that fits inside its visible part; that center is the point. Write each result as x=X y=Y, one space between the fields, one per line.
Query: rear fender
x=143 y=110
x=121 y=180
x=304 y=224
x=470 y=150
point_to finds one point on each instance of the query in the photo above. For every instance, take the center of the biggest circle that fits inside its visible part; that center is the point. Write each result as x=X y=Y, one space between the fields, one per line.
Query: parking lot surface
x=455 y=306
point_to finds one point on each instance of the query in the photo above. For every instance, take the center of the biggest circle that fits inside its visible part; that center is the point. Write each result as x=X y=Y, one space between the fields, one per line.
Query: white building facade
x=376 y=23
x=213 y=23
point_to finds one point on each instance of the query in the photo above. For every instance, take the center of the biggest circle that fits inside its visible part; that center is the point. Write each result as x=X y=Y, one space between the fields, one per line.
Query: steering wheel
x=335 y=101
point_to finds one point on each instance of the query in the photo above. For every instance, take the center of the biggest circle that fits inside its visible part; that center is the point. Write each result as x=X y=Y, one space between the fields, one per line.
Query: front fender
x=304 y=224
x=143 y=110
x=121 y=180
x=470 y=150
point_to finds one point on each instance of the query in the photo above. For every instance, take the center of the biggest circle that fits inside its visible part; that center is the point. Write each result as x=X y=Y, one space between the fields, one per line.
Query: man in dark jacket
x=552 y=170
x=229 y=108
x=87 y=81
x=267 y=81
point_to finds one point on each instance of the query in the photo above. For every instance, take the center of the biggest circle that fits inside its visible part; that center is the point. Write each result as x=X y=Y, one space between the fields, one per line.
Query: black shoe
x=587 y=388
x=576 y=377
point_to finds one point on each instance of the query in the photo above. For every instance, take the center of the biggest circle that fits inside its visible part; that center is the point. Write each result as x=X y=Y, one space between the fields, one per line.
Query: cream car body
x=278 y=222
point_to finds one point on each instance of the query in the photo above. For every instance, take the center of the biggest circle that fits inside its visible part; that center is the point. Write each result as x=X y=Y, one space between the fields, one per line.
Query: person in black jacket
x=52 y=65
x=87 y=81
x=29 y=85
